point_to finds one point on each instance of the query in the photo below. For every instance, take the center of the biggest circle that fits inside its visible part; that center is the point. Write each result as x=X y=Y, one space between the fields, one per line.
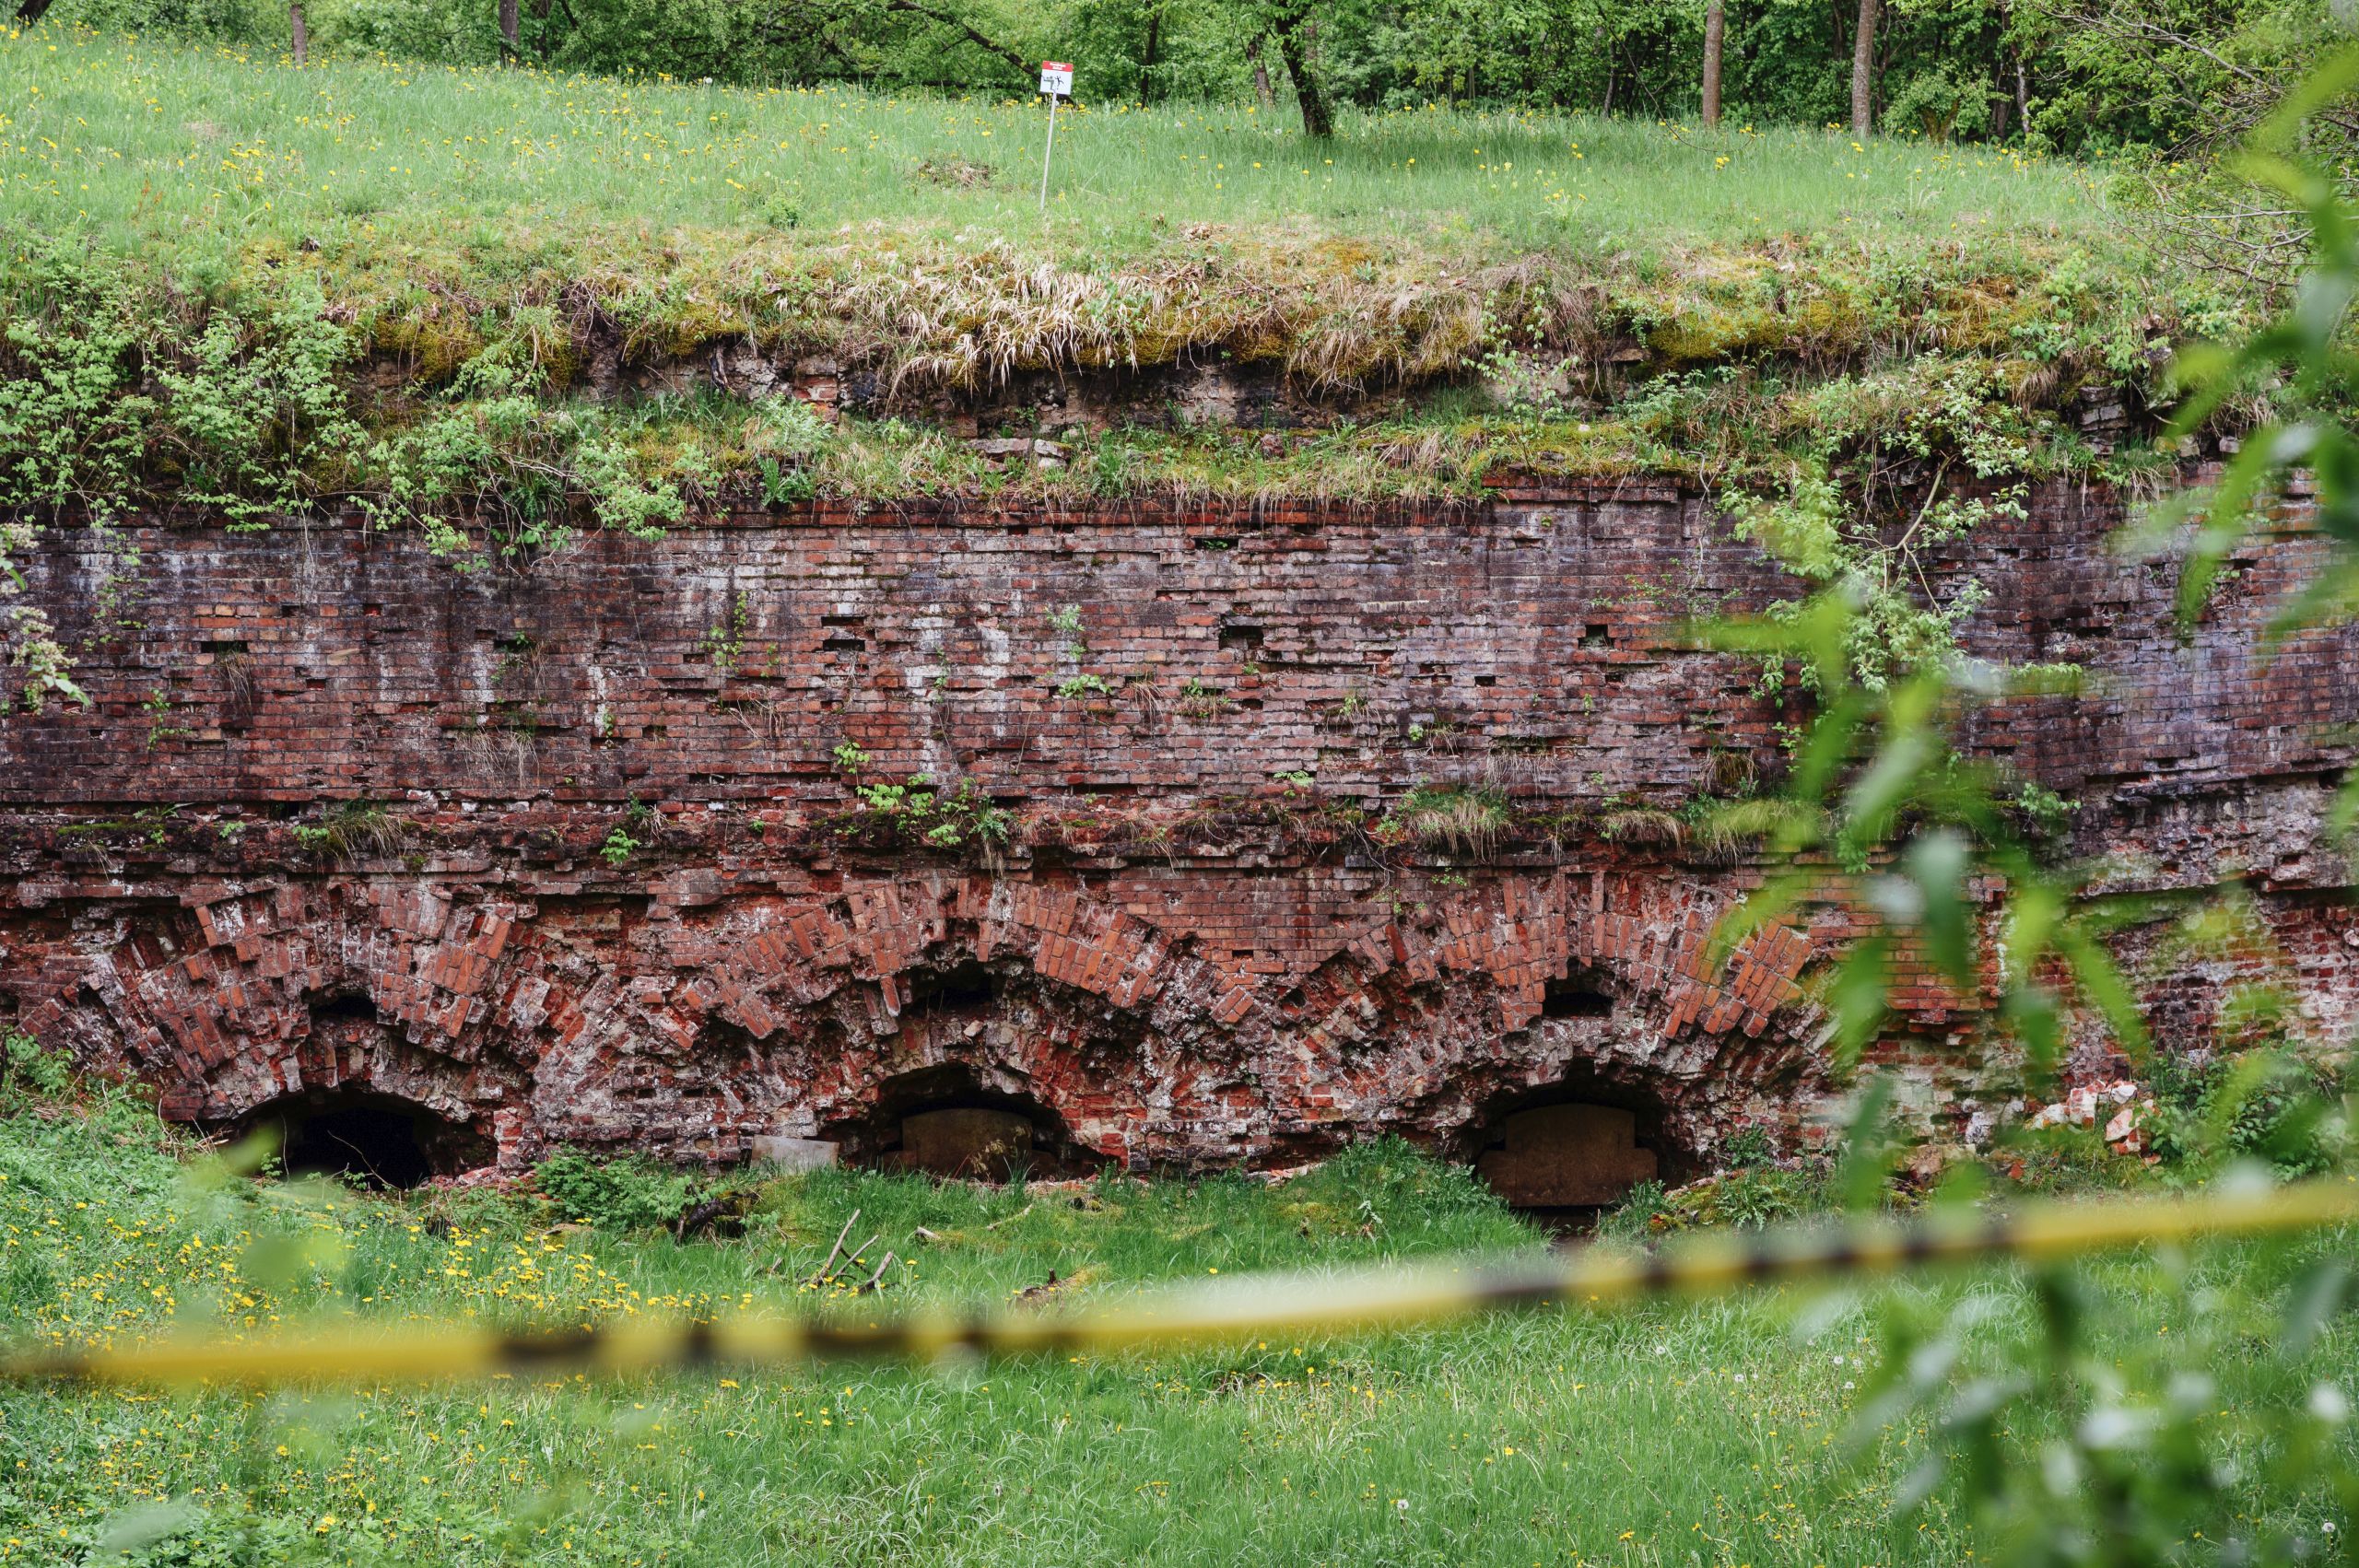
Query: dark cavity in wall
x=1565 y=1152
x=381 y=1140
x=942 y=1121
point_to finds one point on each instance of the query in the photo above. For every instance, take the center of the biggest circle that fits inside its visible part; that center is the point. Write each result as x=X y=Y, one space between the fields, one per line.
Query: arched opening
x=1566 y=1151
x=942 y=1121
x=381 y=1140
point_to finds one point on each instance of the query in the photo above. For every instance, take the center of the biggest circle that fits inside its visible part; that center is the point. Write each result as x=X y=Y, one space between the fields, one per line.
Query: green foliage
x=2062 y=1451
x=27 y=1069
x=2303 y=366
x=619 y=847
x=351 y=829
x=1463 y=818
x=624 y=1192
x=945 y=819
x=621 y=842
x=2266 y=1105
x=1870 y=495
x=2104 y=74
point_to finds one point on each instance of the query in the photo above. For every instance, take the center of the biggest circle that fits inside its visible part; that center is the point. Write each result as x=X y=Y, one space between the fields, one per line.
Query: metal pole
x=1046 y=153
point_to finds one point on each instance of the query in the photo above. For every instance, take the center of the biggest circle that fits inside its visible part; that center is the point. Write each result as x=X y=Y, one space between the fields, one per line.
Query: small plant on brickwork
x=1872 y=489
x=27 y=1069
x=350 y=829
x=850 y=759
x=1463 y=818
x=621 y=842
x=782 y=485
x=946 y=819
x=158 y=706
x=155 y=823
x=724 y=644
x=1084 y=685
x=1066 y=623
x=1199 y=700
x=783 y=435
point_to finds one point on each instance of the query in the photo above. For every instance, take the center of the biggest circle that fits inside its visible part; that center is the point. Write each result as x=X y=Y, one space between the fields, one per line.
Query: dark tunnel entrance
x=941 y=1121
x=1565 y=1152
x=380 y=1139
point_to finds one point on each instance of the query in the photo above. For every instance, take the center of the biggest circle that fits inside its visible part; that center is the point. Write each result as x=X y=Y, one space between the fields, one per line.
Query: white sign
x=1056 y=79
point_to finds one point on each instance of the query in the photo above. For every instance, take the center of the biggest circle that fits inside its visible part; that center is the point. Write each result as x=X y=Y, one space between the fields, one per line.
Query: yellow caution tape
x=1339 y=1302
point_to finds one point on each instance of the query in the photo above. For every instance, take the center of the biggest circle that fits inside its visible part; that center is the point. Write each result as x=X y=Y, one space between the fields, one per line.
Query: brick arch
x=1646 y=933
x=218 y=1003
x=1426 y=1023
x=812 y=997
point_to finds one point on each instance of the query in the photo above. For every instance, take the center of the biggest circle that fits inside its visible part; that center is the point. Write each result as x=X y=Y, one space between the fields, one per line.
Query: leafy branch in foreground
x=2304 y=364
x=1881 y=807
x=2061 y=1454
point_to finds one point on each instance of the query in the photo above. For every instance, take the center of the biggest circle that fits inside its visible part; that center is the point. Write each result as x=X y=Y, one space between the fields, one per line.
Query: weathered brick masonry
x=1192 y=953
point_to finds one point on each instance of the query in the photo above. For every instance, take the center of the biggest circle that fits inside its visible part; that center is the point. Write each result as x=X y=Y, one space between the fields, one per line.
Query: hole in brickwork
x=349 y=1006
x=943 y=1122
x=1239 y=638
x=968 y=987
x=1565 y=1153
x=1571 y=999
x=380 y=1139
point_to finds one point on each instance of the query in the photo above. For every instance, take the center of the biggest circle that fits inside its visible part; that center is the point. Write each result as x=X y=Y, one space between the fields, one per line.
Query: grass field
x=150 y=143
x=1716 y=1433
x=361 y=279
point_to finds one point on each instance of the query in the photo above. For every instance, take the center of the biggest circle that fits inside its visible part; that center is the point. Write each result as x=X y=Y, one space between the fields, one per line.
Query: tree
x=1261 y=93
x=298 y=32
x=1864 y=69
x=1715 y=24
x=508 y=22
x=1293 y=29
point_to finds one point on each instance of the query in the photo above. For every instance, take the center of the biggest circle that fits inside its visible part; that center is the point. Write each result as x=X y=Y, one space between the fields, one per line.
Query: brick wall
x=1185 y=957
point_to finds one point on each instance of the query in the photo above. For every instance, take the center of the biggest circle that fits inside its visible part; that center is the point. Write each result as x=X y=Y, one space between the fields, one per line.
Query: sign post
x=1056 y=82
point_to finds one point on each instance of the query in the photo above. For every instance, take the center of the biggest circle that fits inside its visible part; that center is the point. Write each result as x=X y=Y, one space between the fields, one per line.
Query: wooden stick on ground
x=887 y=1262
x=817 y=1277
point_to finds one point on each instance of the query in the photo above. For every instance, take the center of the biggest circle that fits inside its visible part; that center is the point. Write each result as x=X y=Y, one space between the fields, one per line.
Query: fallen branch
x=820 y=1278
x=1011 y=1218
x=887 y=1262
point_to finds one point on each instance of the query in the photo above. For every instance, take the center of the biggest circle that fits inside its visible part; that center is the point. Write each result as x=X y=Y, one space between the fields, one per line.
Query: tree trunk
x=1261 y=93
x=297 y=31
x=1318 y=118
x=1147 y=61
x=31 y=11
x=1863 y=70
x=1715 y=25
x=508 y=22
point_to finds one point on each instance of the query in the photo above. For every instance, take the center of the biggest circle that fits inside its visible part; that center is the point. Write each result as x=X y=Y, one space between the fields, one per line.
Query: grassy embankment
x=233 y=240
x=1715 y=1433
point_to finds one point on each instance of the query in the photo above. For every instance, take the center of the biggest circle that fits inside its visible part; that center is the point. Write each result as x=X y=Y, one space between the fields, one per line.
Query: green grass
x=1709 y=1432
x=149 y=142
